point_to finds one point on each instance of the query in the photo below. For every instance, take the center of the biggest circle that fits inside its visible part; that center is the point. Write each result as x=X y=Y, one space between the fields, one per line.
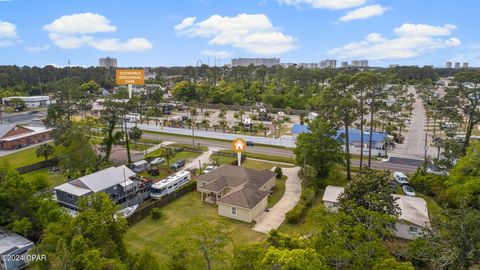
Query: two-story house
x=117 y=182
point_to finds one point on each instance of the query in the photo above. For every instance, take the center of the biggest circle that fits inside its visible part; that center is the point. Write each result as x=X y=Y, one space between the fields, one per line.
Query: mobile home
x=169 y=184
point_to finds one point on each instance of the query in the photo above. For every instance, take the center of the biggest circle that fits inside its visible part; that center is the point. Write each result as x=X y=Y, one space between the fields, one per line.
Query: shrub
x=279 y=172
x=308 y=196
x=156 y=213
x=297 y=213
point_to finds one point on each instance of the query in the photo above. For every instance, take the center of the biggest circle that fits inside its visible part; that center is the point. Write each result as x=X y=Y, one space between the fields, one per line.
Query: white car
x=401 y=178
x=437 y=171
x=209 y=169
x=408 y=190
x=157 y=161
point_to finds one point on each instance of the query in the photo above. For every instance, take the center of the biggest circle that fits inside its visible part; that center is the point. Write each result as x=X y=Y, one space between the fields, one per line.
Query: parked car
x=184 y=118
x=401 y=178
x=178 y=164
x=408 y=190
x=157 y=161
x=250 y=143
x=435 y=170
x=209 y=169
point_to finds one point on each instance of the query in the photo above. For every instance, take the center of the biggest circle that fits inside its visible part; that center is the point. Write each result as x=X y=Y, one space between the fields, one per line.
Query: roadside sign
x=239 y=145
x=130 y=76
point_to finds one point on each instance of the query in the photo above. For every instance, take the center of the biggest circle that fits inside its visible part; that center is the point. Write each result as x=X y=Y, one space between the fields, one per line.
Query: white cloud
x=185 y=23
x=36 y=49
x=81 y=23
x=411 y=40
x=364 y=13
x=325 y=4
x=253 y=33
x=112 y=44
x=77 y=31
x=217 y=54
x=8 y=34
x=409 y=29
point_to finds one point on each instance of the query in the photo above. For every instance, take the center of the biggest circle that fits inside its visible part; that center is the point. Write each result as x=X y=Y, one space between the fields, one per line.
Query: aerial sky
x=190 y=32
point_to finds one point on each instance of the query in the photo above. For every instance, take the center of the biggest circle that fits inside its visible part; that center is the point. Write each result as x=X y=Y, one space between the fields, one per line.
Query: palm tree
x=168 y=153
x=44 y=150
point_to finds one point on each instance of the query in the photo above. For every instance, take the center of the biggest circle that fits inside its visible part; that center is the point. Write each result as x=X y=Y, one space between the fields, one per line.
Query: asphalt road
x=394 y=164
x=20 y=117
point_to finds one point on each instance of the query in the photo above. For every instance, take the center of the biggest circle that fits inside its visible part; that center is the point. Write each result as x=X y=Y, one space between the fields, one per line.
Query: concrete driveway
x=274 y=218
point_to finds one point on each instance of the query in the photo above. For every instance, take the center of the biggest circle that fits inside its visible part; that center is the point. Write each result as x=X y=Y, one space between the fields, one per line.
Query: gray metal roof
x=4 y=128
x=106 y=178
x=11 y=241
x=97 y=181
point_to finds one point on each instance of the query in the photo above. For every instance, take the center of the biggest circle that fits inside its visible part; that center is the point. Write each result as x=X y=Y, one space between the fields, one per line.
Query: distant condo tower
x=359 y=63
x=465 y=65
x=245 y=62
x=107 y=62
x=448 y=65
x=328 y=63
x=457 y=64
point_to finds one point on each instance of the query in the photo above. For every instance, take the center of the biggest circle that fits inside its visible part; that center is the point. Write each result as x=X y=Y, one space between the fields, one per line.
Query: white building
x=457 y=64
x=245 y=62
x=448 y=65
x=31 y=102
x=107 y=62
x=413 y=218
x=328 y=63
x=359 y=63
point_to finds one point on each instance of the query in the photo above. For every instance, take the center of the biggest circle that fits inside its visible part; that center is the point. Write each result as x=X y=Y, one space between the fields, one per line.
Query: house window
x=413 y=230
x=234 y=211
x=115 y=188
x=69 y=196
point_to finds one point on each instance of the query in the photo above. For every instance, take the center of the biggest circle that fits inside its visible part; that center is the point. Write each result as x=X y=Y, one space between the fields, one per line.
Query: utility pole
x=425 y=155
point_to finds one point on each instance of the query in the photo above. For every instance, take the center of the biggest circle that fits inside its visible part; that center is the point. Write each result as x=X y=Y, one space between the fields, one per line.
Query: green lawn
x=22 y=158
x=278 y=191
x=265 y=157
x=186 y=145
x=152 y=234
x=52 y=179
x=139 y=146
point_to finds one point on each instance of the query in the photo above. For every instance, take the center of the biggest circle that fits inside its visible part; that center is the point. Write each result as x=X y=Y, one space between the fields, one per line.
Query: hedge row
x=298 y=212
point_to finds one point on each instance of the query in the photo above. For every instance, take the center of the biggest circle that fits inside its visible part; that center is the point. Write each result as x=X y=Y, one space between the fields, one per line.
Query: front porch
x=209 y=197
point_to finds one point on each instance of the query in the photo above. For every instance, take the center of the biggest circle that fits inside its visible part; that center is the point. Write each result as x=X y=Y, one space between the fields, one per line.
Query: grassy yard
x=52 y=178
x=278 y=191
x=265 y=157
x=22 y=158
x=153 y=234
x=186 y=145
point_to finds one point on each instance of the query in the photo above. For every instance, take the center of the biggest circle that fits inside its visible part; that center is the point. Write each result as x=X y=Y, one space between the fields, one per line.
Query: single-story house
x=12 y=244
x=413 y=218
x=31 y=102
x=240 y=193
x=14 y=136
x=117 y=182
x=378 y=139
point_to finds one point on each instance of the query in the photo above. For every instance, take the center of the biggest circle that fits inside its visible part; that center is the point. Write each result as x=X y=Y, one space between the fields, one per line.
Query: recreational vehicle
x=169 y=184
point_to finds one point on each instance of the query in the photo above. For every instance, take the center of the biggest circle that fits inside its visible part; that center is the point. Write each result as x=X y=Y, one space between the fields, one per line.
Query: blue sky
x=170 y=33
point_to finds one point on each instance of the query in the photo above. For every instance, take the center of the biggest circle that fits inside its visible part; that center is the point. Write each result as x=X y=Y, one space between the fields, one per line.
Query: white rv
x=169 y=184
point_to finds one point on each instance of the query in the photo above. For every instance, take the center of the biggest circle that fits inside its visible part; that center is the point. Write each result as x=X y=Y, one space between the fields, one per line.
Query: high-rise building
x=359 y=63
x=344 y=64
x=448 y=65
x=245 y=62
x=308 y=65
x=457 y=64
x=328 y=63
x=465 y=65
x=107 y=62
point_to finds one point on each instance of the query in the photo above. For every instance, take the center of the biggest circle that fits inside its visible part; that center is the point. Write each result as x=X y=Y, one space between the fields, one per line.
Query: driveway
x=274 y=218
x=200 y=160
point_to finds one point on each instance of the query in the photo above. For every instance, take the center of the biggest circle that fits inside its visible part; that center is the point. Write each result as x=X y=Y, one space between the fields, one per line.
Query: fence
x=145 y=208
x=36 y=166
x=210 y=106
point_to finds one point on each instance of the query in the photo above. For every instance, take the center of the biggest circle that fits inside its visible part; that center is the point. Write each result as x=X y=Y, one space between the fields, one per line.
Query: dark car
x=178 y=164
x=250 y=143
x=184 y=118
